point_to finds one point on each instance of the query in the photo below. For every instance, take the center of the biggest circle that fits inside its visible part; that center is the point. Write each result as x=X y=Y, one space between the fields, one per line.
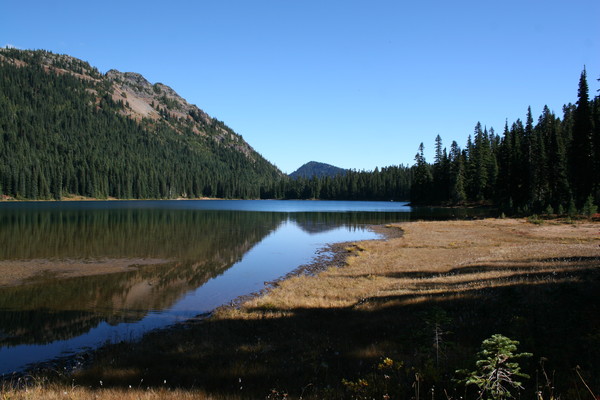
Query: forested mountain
x=67 y=129
x=318 y=169
x=550 y=166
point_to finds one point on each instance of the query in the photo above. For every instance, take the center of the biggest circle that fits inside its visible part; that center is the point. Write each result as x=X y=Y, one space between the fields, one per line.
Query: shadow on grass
x=522 y=267
x=309 y=351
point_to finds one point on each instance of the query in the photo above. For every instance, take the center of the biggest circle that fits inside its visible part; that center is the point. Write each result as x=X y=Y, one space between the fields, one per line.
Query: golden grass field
x=432 y=258
x=536 y=283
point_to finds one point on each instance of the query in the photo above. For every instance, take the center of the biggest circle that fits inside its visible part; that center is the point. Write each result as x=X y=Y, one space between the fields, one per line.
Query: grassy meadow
x=394 y=318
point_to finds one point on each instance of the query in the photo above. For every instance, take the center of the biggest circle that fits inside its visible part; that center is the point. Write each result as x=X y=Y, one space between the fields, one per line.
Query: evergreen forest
x=65 y=131
x=64 y=134
x=549 y=166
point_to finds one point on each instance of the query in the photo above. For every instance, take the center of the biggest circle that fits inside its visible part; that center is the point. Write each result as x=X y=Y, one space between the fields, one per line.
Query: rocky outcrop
x=156 y=101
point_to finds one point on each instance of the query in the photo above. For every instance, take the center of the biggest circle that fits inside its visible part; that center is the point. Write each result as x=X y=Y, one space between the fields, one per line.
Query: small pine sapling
x=496 y=371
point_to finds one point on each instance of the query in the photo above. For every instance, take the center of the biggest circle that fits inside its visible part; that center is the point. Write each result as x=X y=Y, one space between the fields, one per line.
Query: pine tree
x=596 y=145
x=557 y=177
x=422 y=179
x=479 y=158
x=527 y=145
x=505 y=170
x=497 y=369
x=581 y=154
x=519 y=188
x=440 y=172
x=457 y=172
x=539 y=174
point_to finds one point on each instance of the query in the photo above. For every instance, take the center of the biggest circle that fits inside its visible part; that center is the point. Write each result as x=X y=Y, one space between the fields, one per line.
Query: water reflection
x=149 y=264
x=130 y=233
x=192 y=247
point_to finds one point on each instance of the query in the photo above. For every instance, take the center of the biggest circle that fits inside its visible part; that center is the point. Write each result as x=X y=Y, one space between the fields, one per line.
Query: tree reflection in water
x=165 y=250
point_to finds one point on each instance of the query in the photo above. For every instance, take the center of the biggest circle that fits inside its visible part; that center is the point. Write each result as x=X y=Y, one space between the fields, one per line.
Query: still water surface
x=169 y=261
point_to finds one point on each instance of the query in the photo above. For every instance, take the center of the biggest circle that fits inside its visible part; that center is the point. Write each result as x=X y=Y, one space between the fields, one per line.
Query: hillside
x=320 y=170
x=68 y=129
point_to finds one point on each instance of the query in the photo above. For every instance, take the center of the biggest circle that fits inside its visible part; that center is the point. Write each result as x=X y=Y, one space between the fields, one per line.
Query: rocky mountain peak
x=132 y=80
x=140 y=99
x=149 y=100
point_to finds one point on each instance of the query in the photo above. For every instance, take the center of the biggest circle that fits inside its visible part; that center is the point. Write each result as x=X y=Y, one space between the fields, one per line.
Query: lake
x=76 y=275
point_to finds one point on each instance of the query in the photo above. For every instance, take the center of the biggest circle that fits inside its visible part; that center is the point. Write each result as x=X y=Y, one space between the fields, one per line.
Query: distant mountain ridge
x=317 y=169
x=67 y=129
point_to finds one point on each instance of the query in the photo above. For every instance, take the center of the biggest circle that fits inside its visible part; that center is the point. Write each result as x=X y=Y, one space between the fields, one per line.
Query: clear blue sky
x=356 y=84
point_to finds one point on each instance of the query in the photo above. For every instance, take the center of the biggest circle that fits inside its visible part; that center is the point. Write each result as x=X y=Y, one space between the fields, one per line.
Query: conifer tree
x=457 y=175
x=505 y=173
x=440 y=172
x=557 y=178
x=519 y=189
x=539 y=184
x=596 y=145
x=479 y=158
x=422 y=179
x=581 y=152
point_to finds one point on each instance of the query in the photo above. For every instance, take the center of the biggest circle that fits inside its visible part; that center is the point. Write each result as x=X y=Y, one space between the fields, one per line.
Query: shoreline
x=329 y=256
x=486 y=276
x=434 y=246
x=332 y=255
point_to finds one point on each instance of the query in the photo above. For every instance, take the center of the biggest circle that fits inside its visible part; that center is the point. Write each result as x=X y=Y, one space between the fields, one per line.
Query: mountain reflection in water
x=194 y=246
x=76 y=274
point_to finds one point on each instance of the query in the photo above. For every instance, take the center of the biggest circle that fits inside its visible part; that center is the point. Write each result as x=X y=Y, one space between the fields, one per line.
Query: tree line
x=551 y=166
x=65 y=134
x=388 y=183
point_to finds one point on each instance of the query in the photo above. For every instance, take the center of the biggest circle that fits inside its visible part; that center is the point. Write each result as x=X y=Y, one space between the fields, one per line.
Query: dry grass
x=439 y=257
x=535 y=283
x=61 y=392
